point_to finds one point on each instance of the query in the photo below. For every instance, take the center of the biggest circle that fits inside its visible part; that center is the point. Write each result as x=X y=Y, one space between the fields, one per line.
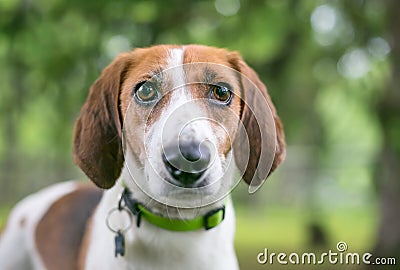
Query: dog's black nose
x=187 y=162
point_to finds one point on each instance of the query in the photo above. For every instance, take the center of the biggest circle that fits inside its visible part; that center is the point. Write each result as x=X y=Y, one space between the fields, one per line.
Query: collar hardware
x=132 y=205
x=214 y=218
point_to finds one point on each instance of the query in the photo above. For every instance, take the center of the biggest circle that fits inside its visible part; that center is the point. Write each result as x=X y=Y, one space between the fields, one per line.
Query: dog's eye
x=146 y=92
x=221 y=93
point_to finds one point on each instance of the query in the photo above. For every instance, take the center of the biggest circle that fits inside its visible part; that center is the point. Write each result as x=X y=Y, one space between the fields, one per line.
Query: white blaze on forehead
x=182 y=117
x=181 y=110
x=177 y=110
x=175 y=67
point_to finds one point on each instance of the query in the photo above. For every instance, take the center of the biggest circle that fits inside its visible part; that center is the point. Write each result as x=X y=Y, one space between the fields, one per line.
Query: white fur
x=17 y=243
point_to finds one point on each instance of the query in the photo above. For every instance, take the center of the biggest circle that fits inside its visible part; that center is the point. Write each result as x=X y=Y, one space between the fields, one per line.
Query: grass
x=285 y=230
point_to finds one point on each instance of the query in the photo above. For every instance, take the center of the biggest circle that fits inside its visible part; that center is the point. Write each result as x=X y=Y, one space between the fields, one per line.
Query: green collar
x=210 y=220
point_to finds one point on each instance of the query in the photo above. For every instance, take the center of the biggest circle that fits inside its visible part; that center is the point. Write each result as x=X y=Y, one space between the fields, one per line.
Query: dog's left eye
x=221 y=93
x=146 y=92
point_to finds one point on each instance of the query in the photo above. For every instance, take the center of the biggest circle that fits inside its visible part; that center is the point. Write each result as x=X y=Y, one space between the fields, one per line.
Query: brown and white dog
x=150 y=111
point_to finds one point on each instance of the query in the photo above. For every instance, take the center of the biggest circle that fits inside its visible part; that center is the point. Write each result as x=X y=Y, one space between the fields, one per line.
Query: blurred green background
x=332 y=69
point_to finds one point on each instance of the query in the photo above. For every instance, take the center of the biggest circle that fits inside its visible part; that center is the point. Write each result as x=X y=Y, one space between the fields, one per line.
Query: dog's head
x=177 y=116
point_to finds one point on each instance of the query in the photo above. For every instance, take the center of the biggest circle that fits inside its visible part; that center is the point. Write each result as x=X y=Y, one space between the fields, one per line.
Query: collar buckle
x=214 y=217
x=132 y=205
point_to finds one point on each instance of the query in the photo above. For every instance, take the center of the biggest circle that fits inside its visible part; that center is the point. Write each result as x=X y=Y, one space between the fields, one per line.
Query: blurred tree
x=388 y=167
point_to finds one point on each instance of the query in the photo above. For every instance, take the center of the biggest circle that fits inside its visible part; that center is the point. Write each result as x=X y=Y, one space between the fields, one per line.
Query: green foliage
x=325 y=77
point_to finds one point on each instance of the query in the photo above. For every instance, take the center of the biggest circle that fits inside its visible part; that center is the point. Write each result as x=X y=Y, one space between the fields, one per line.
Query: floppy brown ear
x=262 y=135
x=97 y=139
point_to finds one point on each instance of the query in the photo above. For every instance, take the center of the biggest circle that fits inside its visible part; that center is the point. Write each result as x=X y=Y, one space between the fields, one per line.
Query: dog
x=161 y=133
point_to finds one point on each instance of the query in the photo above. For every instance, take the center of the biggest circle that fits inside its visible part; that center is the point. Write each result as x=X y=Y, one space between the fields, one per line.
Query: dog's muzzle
x=186 y=162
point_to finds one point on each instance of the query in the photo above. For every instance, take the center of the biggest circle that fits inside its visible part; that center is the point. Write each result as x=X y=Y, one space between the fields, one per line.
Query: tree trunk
x=388 y=171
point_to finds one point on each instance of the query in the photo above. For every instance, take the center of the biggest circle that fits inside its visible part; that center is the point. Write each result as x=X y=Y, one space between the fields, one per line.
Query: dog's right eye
x=146 y=92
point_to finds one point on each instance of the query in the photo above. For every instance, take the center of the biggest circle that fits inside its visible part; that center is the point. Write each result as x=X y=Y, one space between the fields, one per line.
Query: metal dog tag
x=119 y=244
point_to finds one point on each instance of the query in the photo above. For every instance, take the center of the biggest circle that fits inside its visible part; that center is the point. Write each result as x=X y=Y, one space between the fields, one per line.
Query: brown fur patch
x=225 y=117
x=145 y=64
x=256 y=96
x=97 y=143
x=59 y=233
x=85 y=244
